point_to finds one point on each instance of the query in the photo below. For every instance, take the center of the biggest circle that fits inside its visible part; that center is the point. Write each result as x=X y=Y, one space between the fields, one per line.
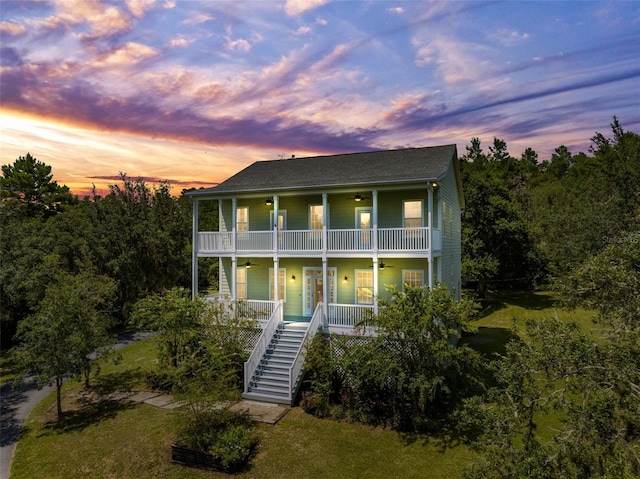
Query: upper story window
x=242 y=218
x=316 y=217
x=412 y=213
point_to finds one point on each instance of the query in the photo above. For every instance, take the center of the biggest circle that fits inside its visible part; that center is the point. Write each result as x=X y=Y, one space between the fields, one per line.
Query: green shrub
x=409 y=376
x=234 y=445
x=228 y=436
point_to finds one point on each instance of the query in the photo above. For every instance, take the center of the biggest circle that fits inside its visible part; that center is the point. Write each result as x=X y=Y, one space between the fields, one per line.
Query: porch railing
x=259 y=309
x=262 y=344
x=334 y=240
x=345 y=317
x=295 y=371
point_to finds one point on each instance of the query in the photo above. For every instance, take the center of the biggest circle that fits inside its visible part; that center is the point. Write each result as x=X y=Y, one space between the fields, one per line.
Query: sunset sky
x=193 y=91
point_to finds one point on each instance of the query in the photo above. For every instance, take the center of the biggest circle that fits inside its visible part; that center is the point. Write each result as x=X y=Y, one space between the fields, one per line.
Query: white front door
x=313 y=288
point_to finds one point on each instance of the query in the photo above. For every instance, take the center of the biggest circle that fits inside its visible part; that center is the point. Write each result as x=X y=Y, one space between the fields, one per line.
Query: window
x=364 y=286
x=413 y=277
x=412 y=214
x=241 y=283
x=242 y=219
x=282 y=276
x=316 y=217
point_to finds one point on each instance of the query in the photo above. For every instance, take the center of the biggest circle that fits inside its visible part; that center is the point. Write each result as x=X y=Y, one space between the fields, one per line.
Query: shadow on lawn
x=129 y=379
x=530 y=300
x=89 y=414
x=490 y=341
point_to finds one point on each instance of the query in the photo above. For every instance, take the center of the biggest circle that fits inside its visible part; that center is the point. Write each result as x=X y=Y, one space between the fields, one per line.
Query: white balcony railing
x=315 y=241
x=350 y=240
x=403 y=239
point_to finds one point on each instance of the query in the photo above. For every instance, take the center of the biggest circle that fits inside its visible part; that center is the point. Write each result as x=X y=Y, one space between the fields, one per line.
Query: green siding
x=450 y=261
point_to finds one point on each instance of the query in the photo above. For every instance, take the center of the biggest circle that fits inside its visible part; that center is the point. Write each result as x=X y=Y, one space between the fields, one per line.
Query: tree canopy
x=30 y=183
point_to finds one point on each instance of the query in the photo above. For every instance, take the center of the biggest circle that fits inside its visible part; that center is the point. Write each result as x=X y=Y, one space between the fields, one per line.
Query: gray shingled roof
x=353 y=169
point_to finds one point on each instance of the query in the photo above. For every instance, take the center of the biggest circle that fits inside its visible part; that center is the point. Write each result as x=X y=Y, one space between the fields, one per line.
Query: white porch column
x=234 y=221
x=430 y=236
x=374 y=195
x=274 y=224
x=325 y=222
x=234 y=277
x=325 y=286
x=276 y=279
x=276 y=207
x=234 y=258
x=375 y=284
x=194 y=251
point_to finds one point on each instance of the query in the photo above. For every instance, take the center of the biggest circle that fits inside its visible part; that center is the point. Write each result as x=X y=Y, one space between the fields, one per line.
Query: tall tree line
x=528 y=221
x=138 y=236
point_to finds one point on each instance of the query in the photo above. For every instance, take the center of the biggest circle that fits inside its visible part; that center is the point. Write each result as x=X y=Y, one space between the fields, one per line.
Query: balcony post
x=325 y=285
x=274 y=225
x=430 y=234
x=276 y=280
x=234 y=220
x=234 y=278
x=194 y=251
x=374 y=194
x=375 y=284
x=325 y=222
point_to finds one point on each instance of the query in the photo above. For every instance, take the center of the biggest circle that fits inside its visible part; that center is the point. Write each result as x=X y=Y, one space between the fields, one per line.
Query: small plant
x=226 y=436
x=234 y=445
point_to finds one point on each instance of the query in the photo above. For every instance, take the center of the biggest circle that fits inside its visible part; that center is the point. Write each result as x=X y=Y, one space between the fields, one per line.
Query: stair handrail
x=296 y=368
x=262 y=344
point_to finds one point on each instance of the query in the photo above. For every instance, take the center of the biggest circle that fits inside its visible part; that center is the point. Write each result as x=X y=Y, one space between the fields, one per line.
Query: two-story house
x=314 y=242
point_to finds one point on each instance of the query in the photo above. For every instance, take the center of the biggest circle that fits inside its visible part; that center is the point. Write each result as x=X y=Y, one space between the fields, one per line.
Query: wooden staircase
x=271 y=381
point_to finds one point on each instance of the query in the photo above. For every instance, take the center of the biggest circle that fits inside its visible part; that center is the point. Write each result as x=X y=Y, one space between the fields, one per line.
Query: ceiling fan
x=249 y=264
x=358 y=197
x=382 y=265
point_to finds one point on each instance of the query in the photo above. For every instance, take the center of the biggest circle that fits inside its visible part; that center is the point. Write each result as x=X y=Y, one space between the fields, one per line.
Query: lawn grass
x=118 y=440
x=504 y=309
x=113 y=439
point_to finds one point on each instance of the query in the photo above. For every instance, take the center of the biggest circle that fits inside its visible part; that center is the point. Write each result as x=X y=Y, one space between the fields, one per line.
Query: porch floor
x=296 y=319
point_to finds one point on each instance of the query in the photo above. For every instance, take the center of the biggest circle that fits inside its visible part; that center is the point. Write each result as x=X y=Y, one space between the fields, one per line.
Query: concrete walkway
x=257 y=411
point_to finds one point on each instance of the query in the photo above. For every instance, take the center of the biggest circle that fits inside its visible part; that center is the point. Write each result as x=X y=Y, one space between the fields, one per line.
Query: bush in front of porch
x=408 y=376
x=202 y=346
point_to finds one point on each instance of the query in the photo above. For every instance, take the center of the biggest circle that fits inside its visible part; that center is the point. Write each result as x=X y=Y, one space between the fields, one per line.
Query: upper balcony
x=316 y=242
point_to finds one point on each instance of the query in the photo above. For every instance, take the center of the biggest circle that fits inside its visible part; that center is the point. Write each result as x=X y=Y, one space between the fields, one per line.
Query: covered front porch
x=334 y=318
x=348 y=288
